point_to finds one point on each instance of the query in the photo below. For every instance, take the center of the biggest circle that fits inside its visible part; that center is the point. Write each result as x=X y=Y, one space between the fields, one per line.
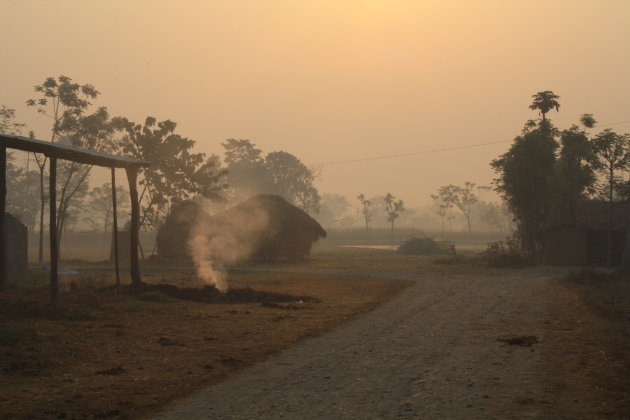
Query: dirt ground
x=461 y=342
x=508 y=344
x=104 y=355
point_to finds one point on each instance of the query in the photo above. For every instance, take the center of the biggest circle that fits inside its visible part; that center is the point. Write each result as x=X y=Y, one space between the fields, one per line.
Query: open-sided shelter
x=56 y=151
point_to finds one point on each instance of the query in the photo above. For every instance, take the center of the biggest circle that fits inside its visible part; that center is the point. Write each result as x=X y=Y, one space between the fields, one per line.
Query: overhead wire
x=445 y=149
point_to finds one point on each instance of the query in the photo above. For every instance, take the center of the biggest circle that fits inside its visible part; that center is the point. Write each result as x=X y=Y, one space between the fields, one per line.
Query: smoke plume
x=216 y=243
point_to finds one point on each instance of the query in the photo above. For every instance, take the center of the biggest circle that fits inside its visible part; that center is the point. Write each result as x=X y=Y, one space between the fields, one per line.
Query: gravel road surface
x=433 y=352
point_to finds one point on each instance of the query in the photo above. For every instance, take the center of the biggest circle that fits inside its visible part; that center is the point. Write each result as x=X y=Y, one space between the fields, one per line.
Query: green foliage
x=574 y=174
x=8 y=125
x=63 y=101
x=333 y=209
x=527 y=179
x=66 y=104
x=99 y=206
x=279 y=173
x=366 y=210
x=610 y=157
x=291 y=179
x=175 y=174
x=424 y=245
x=545 y=102
x=462 y=198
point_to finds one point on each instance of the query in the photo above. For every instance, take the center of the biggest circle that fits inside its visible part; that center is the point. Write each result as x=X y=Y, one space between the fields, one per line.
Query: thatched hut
x=274 y=228
x=264 y=228
x=172 y=237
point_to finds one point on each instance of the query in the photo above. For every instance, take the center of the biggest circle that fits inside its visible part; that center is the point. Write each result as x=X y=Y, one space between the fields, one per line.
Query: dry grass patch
x=590 y=349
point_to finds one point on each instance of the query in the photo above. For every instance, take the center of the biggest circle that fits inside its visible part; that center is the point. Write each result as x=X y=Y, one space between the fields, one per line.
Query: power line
x=446 y=149
x=613 y=123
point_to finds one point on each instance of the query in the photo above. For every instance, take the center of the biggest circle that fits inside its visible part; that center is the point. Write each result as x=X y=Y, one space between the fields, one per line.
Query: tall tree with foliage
x=246 y=171
x=333 y=208
x=293 y=180
x=99 y=204
x=15 y=176
x=393 y=208
x=279 y=173
x=610 y=157
x=65 y=103
x=575 y=176
x=366 y=210
x=526 y=181
x=176 y=172
x=545 y=102
x=462 y=198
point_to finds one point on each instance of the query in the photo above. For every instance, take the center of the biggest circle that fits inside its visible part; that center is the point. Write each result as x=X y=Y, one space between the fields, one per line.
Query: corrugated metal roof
x=62 y=151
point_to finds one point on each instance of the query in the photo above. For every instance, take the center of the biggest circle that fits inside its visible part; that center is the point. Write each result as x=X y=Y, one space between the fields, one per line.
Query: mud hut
x=586 y=242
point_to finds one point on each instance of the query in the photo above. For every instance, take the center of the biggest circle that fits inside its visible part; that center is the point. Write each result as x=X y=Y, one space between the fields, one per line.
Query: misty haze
x=357 y=209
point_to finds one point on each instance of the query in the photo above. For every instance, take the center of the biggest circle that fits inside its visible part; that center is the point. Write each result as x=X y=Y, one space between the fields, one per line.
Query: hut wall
x=16 y=257
x=597 y=247
x=566 y=246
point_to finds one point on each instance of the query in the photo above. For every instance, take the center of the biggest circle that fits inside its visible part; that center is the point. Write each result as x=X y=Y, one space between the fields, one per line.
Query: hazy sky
x=332 y=80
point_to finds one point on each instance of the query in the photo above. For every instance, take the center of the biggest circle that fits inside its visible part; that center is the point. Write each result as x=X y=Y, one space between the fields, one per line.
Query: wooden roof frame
x=56 y=151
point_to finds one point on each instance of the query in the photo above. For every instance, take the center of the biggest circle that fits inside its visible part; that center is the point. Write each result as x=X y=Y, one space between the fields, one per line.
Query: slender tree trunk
x=610 y=219
x=40 y=255
x=132 y=176
x=54 y=250
x=3 y=202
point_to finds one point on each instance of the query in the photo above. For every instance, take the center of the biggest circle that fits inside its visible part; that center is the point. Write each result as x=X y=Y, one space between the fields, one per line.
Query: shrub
x=425 y=245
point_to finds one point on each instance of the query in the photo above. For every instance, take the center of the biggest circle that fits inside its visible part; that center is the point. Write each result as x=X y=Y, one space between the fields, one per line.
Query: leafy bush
x=424 y=245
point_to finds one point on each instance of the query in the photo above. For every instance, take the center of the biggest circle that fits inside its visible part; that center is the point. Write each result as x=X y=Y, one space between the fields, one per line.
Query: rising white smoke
x=215 y=244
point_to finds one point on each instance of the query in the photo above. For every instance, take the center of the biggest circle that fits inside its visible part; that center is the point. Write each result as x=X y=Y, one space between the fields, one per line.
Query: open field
x=104 y=355
x=95 y=246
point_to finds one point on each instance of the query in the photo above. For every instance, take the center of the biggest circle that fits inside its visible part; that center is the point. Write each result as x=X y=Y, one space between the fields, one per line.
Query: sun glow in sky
x=332 y=80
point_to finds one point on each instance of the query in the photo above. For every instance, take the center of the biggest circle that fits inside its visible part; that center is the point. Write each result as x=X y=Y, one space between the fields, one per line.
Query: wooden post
x=115 y=223
x=3 y=205
x=54 y=250
x=132 y=176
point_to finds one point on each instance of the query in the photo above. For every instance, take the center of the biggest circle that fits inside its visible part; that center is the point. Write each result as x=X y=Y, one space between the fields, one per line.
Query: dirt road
x=433 y=352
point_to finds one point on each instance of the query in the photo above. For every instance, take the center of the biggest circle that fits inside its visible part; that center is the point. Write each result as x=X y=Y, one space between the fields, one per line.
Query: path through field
x=433 y=352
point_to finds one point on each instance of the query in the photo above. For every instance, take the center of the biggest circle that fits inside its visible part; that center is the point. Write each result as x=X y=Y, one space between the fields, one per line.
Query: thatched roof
x=593 y=215
x=283 y=218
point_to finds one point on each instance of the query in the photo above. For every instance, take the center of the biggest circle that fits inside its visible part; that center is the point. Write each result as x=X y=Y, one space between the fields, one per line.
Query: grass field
x=95 y=246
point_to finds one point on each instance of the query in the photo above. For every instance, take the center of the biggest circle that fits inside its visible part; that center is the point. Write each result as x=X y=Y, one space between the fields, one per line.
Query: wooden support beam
x=3 y=205
x=54 y=250
x=115 y=226
x=132 y=177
